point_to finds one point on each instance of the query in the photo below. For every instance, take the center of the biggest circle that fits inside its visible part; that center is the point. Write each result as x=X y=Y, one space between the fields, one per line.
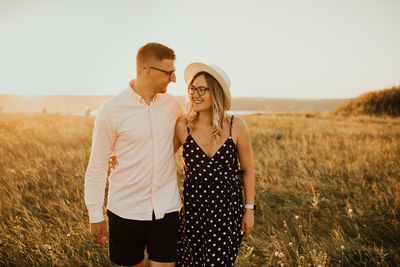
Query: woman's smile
x=198 y=101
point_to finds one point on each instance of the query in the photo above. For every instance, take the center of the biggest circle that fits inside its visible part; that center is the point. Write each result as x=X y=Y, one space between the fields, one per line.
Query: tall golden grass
x=328 y=191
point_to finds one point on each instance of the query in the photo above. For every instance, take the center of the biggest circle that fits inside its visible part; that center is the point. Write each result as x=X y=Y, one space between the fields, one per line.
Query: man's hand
x=113 y=162
x=99 y=231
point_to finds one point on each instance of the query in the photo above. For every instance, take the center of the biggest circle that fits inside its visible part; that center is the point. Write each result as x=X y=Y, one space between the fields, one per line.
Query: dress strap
x=230 y=130
x=188 y=130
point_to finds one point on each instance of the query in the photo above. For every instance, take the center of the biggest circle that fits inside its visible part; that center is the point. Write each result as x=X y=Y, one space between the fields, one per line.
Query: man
x=137 y=126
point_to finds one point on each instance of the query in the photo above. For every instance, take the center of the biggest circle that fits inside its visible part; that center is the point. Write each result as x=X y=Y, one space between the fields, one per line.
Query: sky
x=269 y=48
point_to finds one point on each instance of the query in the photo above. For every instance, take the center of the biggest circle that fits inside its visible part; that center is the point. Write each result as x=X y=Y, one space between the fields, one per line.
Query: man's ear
x=147 y=72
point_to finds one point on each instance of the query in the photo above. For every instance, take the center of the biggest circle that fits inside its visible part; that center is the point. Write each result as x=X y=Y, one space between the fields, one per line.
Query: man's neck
x=143 y=90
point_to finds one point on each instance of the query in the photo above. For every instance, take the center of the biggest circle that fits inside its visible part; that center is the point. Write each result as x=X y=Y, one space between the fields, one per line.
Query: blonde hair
x=218 y=107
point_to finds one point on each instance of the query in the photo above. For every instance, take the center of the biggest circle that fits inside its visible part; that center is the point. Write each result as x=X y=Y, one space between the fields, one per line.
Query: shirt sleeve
x=104 y=136
x=178 y=109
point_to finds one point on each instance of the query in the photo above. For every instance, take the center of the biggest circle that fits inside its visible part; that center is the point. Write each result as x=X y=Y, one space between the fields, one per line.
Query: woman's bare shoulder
x=181 y=126
x=181 y=122
x=239 y=127
x=239 y=122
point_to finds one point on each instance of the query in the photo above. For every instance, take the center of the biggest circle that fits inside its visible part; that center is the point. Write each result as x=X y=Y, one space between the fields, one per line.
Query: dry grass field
x=328 y=191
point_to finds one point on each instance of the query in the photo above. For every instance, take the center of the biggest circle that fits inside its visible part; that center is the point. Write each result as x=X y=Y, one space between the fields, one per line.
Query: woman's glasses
x=200 y=90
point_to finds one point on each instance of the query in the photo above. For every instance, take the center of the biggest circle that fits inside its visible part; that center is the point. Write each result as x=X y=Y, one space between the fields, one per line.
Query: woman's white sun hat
x=215 y=71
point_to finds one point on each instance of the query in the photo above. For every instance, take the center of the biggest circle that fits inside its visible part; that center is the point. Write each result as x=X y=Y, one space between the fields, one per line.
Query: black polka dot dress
x=211 y=217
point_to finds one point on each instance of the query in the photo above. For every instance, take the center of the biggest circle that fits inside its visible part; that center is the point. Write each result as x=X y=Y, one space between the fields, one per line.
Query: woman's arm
x=247 y=165
x=177 y=143
x=180 y=133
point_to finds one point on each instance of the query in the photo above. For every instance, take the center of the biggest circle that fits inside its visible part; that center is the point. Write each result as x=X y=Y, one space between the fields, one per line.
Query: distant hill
x=384 y=102
x=77 y=104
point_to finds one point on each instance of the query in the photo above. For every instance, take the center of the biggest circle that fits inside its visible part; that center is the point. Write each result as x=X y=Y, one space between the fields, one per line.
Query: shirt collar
x=139 y=98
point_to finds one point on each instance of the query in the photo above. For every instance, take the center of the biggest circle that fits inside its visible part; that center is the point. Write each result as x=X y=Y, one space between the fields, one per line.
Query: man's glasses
x=200 y=90
x=170 y=73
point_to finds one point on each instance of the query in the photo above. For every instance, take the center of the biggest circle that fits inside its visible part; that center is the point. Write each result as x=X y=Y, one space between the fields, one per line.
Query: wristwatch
x=250 y=206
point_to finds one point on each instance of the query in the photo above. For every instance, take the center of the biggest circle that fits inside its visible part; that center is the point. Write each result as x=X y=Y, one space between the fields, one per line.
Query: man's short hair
x=153 y=51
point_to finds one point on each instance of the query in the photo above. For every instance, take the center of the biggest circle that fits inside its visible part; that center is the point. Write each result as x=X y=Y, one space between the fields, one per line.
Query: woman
x=213 y=220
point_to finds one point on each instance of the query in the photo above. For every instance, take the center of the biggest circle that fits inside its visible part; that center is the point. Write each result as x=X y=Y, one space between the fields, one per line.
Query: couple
x=143 y=127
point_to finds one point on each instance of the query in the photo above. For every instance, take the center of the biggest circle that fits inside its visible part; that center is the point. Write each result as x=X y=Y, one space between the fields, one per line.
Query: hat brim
x=194 y=68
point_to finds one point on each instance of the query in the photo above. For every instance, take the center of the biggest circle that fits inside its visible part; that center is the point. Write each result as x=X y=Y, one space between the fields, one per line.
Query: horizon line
x=233 y=97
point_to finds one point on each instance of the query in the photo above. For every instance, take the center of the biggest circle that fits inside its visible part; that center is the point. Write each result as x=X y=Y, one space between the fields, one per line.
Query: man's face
x=162 y=73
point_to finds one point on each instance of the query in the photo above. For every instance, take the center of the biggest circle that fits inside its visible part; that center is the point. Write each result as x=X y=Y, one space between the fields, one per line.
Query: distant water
x=247 y=112
x=233 y=112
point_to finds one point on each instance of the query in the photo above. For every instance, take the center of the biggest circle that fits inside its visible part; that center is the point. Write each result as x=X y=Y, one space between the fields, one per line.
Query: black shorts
x=129 y=238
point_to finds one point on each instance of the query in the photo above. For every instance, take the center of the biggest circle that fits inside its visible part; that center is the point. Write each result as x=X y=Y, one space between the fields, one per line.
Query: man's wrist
x=96 y=216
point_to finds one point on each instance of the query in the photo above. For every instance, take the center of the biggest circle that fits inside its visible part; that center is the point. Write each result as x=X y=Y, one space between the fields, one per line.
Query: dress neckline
x=216 y=152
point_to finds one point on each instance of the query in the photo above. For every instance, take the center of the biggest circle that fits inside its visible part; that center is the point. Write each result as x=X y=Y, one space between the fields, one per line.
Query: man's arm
x=104 y=136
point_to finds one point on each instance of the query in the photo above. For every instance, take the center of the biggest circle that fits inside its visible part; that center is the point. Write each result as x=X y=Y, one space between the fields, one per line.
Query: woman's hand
x=113 y=162
x=248 y=222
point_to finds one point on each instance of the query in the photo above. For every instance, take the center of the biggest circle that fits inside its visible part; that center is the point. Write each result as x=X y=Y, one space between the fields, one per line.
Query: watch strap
x=250 y=206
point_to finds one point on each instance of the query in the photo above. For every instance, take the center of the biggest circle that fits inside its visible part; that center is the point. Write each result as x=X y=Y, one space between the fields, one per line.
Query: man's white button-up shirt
x=140 y=135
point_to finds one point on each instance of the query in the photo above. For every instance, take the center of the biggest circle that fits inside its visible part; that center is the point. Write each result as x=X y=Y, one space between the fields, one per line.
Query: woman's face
x=200 y=102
